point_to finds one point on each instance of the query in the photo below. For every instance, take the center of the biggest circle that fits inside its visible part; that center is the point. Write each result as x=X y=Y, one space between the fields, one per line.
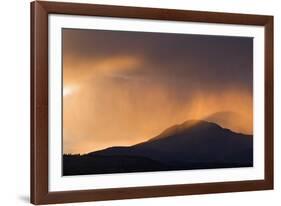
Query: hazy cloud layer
x=125 y=87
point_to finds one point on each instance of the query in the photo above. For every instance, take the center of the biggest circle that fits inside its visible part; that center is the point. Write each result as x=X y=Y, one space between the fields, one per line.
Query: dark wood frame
x=39 y=102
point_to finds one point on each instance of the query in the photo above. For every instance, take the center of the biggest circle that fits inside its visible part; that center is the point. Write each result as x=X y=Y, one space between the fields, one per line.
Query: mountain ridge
x=191 y=145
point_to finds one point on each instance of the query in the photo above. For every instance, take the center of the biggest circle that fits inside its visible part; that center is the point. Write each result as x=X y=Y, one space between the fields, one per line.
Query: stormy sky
x=121 y=88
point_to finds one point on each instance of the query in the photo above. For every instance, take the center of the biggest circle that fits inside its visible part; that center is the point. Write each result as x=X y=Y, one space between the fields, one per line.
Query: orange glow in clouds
x=104 y=112
x=122 y=88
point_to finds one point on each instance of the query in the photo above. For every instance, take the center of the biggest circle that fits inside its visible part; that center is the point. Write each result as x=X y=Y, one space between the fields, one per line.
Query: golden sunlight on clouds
x=122 y=88
x=77 y=72
x=110 y=111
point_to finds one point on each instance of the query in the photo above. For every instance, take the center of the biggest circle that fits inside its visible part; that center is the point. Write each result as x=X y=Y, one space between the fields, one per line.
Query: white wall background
x=14 y=101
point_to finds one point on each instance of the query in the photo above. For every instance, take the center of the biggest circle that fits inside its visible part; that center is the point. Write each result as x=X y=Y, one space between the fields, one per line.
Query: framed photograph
x=133 y=102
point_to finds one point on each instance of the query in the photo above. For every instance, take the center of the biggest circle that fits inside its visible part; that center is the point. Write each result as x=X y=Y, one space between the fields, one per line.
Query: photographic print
x=147 y=102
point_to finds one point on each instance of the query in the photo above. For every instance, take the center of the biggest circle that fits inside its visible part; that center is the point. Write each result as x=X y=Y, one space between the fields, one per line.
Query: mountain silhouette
x=194 y=144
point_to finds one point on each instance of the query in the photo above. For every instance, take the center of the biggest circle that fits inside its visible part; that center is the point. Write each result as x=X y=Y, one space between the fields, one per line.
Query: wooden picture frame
x=40 y=193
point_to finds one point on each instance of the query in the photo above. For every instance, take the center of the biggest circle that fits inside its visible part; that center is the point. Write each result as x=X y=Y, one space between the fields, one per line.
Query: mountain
x=194 y=144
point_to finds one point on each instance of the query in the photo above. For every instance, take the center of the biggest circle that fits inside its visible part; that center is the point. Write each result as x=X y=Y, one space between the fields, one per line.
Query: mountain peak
x=185 y=126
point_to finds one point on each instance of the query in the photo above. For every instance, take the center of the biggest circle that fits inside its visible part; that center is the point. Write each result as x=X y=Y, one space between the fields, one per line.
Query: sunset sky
x=122 y=88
